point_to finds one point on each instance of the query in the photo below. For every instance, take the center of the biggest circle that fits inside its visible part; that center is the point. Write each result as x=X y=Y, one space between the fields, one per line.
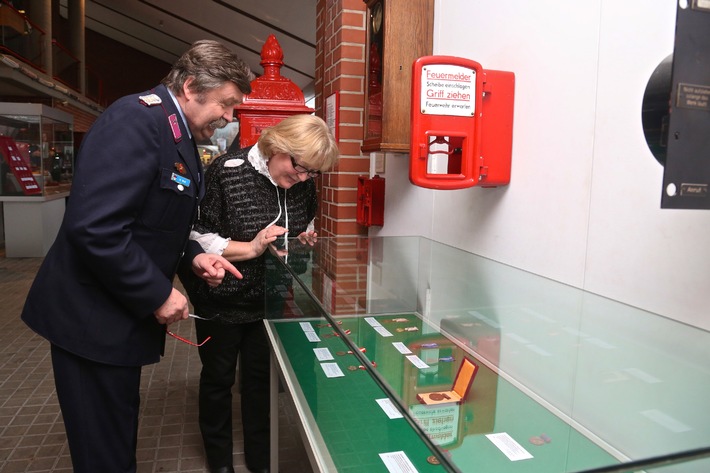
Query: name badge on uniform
x=181 y=180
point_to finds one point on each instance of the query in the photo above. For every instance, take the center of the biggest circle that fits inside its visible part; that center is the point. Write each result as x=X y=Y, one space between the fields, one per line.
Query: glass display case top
x=565 y=380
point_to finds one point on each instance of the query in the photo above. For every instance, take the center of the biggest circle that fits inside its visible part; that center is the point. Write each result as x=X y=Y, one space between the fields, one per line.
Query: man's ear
x=186 y=91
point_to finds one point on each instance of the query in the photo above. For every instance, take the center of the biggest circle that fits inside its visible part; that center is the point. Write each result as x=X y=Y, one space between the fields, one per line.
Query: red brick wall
x=340 y=67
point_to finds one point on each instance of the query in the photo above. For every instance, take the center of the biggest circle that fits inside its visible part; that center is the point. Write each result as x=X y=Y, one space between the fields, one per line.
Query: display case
x=36 y=169
x=37 y=147
x=566 y=381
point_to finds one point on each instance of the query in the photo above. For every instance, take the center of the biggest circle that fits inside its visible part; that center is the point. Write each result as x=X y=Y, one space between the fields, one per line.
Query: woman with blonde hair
x=255 y=197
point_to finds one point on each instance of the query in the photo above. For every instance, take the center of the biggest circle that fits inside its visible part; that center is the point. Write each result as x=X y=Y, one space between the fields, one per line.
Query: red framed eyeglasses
x=185 y=340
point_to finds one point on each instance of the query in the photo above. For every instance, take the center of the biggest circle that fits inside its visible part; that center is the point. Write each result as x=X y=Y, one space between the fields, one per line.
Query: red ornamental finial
x=272 y=57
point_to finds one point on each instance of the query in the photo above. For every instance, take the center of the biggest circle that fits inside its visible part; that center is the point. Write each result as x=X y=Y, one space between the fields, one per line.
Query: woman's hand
x=265 y=237
x=309 y=237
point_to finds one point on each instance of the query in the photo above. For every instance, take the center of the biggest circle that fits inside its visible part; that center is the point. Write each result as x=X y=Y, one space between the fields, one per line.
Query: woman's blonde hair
x=306 y=137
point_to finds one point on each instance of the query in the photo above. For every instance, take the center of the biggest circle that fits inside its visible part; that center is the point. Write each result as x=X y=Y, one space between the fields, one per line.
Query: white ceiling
x=166 y=28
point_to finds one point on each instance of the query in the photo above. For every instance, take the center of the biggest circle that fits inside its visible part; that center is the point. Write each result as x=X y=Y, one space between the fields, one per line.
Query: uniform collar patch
x=177 y=134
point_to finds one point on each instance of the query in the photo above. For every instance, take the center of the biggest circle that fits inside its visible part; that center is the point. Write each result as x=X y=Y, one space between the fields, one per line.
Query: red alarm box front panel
x=461 y=123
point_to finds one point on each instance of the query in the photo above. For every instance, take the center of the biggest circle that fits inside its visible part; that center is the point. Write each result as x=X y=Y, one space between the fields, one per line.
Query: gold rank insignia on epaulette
x=150 y=100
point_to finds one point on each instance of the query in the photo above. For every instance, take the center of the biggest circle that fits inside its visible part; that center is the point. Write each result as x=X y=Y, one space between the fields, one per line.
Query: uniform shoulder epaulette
x=150 y=100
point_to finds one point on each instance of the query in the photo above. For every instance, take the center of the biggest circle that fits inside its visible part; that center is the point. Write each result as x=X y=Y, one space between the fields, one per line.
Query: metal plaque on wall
x=686 y=179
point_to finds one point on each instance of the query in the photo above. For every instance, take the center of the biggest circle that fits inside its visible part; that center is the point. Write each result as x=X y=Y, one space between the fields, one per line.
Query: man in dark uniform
x=104 y=294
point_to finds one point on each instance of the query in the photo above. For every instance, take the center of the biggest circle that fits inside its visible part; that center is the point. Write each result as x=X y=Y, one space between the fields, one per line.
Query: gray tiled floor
x=31 y=431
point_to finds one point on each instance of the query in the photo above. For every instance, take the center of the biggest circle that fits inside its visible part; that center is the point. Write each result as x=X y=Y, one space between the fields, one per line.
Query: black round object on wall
x=655 y=109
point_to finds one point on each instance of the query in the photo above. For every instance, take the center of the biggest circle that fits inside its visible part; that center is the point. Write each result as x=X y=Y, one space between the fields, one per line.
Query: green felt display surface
x=356 y=430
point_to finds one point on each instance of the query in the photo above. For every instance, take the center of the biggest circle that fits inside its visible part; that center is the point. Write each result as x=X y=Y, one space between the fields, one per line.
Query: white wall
x=583 y=206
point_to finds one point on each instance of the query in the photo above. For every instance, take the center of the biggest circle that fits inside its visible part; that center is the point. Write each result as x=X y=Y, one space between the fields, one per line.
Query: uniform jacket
x=126 y=225
x=241 y=200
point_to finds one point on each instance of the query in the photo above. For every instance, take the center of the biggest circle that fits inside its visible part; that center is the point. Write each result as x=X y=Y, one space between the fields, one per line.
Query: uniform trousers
x=247 y=342
x=99 y=404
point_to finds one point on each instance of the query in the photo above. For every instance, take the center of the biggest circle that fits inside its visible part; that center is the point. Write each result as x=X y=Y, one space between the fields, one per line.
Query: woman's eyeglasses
x=300 y=169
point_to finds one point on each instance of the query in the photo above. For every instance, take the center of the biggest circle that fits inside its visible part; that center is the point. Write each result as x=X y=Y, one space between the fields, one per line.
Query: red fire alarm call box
x=462 y=124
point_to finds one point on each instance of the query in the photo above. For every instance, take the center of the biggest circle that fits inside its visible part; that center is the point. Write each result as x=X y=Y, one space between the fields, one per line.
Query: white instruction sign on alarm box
x=448 y=90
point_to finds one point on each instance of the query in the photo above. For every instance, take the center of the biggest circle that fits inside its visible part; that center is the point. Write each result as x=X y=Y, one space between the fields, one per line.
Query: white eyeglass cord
x=285 y=209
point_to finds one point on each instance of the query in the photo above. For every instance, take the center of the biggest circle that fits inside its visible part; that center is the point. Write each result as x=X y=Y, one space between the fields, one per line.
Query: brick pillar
x=340 y=67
